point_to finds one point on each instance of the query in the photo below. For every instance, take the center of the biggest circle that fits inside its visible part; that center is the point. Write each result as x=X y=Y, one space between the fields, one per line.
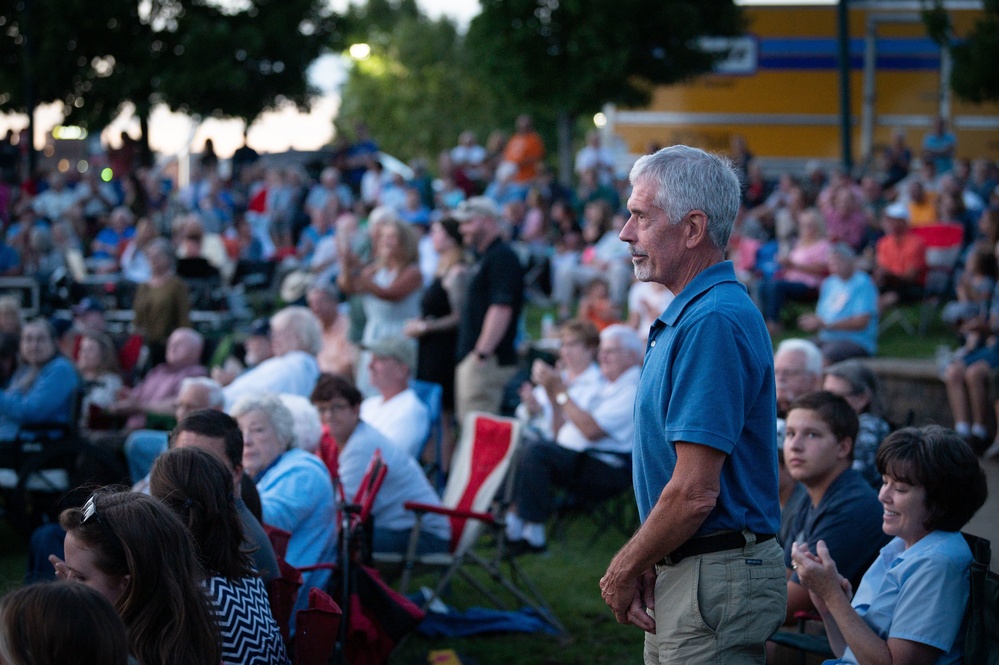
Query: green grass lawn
x=13 y=557
x=567 y=576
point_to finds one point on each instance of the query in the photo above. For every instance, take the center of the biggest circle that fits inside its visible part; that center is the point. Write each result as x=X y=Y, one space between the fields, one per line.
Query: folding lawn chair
x=943 y=248
x=480 y=469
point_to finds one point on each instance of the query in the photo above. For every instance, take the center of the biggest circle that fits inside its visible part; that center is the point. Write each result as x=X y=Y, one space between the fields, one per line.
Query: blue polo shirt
x=708 y=379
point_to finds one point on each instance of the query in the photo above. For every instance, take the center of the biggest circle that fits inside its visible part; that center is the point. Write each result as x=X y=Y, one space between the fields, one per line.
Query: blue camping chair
x=431 y=394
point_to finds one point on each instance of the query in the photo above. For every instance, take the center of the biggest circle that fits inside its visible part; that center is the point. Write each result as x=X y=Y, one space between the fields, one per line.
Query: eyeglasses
x=330 y=408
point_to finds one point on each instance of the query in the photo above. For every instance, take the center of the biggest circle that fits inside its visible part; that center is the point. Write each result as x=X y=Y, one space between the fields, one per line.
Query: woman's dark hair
x=169 y=615
x=330 y=386
x=198 y=488
x=109 y=355
x=834 y=411
x=945 y=466
x=53 y=623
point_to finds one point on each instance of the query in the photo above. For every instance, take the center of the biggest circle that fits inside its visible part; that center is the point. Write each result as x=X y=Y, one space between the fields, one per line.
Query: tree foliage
x=974 y=76
x=575 y=56
x=560 y=59
x=197 y=56
x=416 y=91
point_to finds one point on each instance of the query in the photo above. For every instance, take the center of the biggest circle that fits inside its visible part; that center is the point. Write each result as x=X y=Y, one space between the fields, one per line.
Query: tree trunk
x=145 y=154
x=564 y=121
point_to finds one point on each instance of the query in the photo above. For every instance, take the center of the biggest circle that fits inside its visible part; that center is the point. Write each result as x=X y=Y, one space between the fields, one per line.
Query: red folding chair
x=943 y=248
x=475 y=500
x=316 y=630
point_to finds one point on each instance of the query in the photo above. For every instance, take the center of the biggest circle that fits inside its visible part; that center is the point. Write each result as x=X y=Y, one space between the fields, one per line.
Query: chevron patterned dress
x=250 y=636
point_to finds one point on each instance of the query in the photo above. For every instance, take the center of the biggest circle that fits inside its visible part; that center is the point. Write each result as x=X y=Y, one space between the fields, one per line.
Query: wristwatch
x=562 y=398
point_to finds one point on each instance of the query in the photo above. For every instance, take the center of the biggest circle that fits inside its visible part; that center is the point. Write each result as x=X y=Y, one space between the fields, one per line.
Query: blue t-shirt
x=708 y=379
x=848 y=518
x=840 y=299
x=942 y=146
x=918 y=594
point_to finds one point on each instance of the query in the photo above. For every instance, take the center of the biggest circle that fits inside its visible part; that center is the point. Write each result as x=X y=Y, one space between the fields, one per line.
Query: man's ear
x=695 y=228
x=237 y=480
x=844 y=447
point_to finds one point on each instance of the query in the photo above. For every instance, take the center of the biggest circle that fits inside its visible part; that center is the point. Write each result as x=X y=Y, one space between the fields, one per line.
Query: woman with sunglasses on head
x=137 y=554
x=198 y=488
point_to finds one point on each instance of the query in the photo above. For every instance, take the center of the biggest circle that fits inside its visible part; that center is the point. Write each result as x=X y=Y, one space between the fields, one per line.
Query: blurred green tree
x=416 y=90
x=974 y=76
x=563 y=59
x=204 y=57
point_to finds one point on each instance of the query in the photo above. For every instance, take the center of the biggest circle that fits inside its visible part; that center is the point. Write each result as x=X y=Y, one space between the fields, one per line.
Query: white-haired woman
x=307 y=425
x=295 y=488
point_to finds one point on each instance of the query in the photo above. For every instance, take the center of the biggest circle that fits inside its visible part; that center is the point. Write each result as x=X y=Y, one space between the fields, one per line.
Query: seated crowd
x=272 y=429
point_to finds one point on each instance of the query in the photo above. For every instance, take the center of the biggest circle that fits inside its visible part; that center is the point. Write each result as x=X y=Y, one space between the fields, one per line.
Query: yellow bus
x=779 y=86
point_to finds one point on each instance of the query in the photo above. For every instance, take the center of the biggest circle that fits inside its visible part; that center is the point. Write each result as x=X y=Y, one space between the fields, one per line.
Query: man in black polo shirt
x=487 y=358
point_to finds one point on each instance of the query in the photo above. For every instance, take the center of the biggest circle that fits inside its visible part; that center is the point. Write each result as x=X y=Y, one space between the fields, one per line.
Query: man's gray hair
x=216 y=400
x=690 y=179
x=271 y=406
x=626 y=337
x=813 y=356
x=303 y=324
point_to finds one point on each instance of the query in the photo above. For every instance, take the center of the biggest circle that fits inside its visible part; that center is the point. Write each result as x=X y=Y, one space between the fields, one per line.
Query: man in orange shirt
x=900 y=272
x=525 y=149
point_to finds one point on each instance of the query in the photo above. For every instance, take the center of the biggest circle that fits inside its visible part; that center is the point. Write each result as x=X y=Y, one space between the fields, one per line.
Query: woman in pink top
x=803 y=269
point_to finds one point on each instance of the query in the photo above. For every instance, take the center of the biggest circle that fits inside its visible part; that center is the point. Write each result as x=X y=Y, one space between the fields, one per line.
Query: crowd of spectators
x=386 y=278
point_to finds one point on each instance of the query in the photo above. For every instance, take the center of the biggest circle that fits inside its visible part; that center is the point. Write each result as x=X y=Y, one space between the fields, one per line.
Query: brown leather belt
x=707 y=544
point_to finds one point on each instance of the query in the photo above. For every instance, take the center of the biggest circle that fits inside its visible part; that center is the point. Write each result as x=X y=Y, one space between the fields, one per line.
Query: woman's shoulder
x=939 y=551
x=61 y=365
x=303 y=466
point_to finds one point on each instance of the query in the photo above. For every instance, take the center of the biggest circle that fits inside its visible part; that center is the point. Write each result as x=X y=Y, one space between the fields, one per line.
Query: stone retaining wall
x=913 y=391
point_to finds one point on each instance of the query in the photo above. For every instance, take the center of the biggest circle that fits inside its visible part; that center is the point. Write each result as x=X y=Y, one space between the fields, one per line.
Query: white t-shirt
x=404 y=420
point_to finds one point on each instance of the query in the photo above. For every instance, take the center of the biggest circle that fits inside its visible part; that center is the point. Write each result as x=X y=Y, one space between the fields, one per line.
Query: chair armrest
x=317 y=566
x=449 y=512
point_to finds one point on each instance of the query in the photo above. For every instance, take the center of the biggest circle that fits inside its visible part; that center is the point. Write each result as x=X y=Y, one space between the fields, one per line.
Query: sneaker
x=992 y=451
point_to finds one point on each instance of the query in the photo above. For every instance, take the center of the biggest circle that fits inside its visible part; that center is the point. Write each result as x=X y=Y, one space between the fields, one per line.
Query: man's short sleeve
x=506 y=281
x=710 y=381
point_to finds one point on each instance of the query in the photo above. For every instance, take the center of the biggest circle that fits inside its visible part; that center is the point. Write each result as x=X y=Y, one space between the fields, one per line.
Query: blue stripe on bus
x=904 y=54
x=830 y=62
x=829 y=46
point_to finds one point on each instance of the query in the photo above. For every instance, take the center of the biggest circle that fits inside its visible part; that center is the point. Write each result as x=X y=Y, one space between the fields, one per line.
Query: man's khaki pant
x=479 y=384
x=719 y=607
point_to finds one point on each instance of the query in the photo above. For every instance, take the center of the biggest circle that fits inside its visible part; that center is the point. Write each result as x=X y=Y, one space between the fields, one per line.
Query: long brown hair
x=198 y=487
x=169 y=614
